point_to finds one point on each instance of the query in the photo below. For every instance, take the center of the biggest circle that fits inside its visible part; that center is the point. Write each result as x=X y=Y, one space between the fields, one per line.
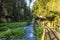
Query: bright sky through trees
x=31 y=3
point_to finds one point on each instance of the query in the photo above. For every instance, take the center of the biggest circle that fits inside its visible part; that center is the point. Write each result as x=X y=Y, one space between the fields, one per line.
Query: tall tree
x=0 y=10
x=49 y=9
x=15 y=11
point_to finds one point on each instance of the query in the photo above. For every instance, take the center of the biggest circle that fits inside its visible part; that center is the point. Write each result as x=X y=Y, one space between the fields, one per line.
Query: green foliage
x=39 y=32
x=11 y=33
x=14 y=25
x=39 y=7
x=48 y=9
x=15 y=11
x=53 y=5
x=17 y=31
x=44 y=8
x=12 y=29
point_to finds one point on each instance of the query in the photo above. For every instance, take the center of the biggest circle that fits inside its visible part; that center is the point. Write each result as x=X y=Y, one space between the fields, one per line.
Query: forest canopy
x=45 y=7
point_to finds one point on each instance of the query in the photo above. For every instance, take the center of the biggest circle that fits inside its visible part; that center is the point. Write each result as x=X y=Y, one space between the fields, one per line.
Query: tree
x=48 y=9
x=15 y=11
x=0 y=10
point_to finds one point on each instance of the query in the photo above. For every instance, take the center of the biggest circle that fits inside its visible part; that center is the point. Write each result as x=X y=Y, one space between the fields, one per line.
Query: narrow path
x=50 y=34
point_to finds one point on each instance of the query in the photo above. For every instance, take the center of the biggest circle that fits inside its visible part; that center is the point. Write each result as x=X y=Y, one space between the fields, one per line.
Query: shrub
x=39 y=32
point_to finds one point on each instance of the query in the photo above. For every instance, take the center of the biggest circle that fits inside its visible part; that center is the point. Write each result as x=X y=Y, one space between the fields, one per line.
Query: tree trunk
x=0 y=11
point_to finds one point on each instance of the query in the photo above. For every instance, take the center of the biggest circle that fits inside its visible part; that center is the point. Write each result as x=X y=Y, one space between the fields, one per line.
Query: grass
x=7 y=26
x=39 y=32
x=14 y=25
x=12 y=29
x=11 y=33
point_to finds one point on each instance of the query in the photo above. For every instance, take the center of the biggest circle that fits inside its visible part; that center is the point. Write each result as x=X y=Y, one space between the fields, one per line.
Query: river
x=29 y=35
